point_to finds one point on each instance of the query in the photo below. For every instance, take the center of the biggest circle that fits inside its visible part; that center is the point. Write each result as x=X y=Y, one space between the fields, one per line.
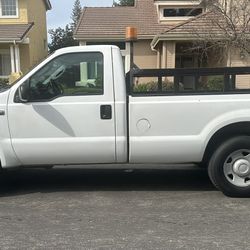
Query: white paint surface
x=68 y=130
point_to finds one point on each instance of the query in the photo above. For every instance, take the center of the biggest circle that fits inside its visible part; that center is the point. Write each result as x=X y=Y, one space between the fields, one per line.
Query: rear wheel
x=229 y=167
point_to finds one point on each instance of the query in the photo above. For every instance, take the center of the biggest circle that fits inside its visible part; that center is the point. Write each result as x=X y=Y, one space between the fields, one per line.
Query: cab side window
x=69 y=74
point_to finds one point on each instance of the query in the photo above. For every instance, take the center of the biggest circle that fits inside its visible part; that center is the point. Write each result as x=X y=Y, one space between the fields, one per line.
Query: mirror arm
x=20 y=96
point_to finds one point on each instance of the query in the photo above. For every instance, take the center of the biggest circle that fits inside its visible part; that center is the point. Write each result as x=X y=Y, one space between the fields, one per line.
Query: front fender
x=7 y=155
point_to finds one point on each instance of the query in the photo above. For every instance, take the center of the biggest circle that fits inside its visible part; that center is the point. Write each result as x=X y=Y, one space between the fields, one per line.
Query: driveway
x=91 y=209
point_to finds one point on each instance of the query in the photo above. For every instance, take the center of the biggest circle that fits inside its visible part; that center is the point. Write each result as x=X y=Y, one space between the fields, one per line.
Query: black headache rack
x=188 y=81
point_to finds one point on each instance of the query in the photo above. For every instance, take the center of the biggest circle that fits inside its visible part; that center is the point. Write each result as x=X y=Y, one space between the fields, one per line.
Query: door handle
x=106 y=112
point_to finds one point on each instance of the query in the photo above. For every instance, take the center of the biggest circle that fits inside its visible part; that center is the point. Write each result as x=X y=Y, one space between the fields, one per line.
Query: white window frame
x=11 y=16
x=4 y=52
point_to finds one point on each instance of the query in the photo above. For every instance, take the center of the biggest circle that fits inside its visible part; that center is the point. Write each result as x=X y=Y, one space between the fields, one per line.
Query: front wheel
x=229 y=167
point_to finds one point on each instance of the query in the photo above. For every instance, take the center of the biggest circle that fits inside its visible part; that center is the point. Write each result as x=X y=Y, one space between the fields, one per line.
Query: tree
x=63 y=37
x=76 y=13
x=124 y=3
x=230 y=27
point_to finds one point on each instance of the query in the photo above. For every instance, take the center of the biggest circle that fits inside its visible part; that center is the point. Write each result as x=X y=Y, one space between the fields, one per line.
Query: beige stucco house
x=164 y=33
x=23 y=35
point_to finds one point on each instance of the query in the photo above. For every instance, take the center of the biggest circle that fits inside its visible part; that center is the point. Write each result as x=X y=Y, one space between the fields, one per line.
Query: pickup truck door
x=68 y=117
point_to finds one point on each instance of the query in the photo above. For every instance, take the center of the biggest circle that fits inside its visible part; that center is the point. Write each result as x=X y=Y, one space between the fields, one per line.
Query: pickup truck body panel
x=176 y=129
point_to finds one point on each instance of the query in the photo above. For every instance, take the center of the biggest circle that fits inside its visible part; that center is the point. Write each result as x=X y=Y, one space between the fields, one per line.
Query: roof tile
x=14 y=31
x=111 y=22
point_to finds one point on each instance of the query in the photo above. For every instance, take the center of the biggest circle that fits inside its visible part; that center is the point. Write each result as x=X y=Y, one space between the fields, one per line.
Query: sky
x=60 y=14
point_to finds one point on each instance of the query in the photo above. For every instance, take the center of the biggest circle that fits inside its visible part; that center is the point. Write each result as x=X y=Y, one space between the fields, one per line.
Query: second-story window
x=8 y=8
x=181 y=12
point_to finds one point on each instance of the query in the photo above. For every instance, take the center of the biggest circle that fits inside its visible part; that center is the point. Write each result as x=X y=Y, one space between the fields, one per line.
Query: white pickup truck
x=75 y=108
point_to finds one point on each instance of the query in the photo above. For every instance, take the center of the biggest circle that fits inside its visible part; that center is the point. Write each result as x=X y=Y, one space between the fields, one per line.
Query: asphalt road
x=83 y=209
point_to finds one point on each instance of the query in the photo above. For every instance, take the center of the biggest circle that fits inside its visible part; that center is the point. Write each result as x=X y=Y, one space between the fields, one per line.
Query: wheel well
x=229 y=131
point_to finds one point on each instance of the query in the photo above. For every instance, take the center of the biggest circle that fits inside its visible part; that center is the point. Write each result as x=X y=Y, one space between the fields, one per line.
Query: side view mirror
x=23 y=95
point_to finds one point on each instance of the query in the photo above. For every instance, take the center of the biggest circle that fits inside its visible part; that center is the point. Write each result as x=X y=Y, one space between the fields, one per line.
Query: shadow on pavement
x=26 y=181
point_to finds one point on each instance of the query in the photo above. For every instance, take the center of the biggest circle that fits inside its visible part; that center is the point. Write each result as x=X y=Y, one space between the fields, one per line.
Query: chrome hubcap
x=241 y=167
x=237 y=168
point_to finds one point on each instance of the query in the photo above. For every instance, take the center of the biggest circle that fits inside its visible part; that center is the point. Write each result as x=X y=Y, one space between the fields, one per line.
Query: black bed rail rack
x=227 y=80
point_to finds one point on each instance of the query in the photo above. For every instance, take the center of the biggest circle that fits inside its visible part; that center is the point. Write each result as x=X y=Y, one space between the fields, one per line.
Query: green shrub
x=210 y=83
x=3 y=81
x=145 y=87
x=215 y=83
x=153 y=87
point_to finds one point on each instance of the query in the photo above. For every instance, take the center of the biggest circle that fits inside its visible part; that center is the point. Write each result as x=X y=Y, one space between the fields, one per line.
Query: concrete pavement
x=107 y=209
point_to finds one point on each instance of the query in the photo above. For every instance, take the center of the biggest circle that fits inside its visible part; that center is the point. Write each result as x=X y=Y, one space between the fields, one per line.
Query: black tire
x=216 y=163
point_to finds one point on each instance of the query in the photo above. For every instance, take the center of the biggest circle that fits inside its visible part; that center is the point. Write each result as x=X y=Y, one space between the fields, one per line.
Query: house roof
x=14 y=32
x=48 y=4
x=208 y=23
x=111 y=22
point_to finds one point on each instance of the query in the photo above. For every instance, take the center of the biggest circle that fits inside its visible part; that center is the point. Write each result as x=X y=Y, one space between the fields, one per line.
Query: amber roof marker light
x=131 y=34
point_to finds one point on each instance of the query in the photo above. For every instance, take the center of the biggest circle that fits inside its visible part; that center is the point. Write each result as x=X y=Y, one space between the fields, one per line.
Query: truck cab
x=68 y=110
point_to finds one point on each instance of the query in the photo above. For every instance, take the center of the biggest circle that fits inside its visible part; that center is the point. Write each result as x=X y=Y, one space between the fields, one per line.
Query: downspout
x=154 y=43
x=159 y=58
x=158 y=51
